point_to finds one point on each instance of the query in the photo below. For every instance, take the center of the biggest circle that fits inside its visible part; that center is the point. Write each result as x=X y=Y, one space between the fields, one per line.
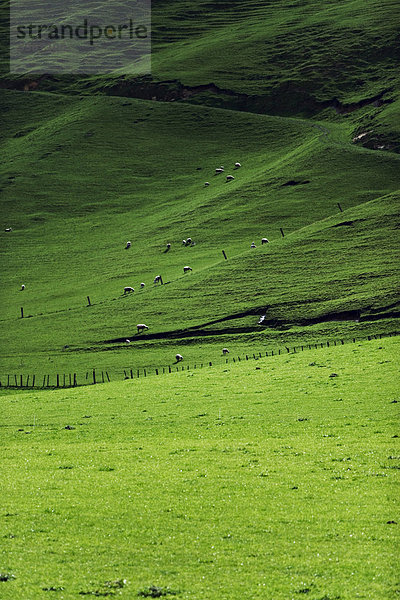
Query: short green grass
x=268 y=479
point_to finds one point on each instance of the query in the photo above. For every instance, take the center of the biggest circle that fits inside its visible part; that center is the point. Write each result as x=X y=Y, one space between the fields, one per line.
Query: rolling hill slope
x=81 y=176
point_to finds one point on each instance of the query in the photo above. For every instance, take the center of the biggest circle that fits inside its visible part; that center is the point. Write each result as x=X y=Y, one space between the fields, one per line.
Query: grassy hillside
x=81 y=176
x=271 y=480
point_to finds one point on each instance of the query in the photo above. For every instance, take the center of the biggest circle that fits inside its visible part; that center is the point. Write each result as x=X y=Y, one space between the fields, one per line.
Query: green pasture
x=83 y=175
x=269 y=479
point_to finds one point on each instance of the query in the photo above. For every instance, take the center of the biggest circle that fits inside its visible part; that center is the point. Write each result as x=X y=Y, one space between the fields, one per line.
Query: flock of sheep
x=221 y=170
x=186 y=269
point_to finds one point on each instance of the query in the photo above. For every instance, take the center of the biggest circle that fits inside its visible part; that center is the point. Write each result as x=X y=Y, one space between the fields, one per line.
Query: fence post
x=33 y=380
x=102 y=377
x=20 y=380
x=88 y=299
x=340 y=208
x=169 y=368
x=58 y=380
x=156 y=371
x=75 y=382
x=144 y=371
x=94 y=376
x=108 y=378
x=282 y=234
x=48 y=380
x=22 y=312
x=225 y=257
x=70 y=380
x=131 y=373
x=27 y=381
x=8 y=381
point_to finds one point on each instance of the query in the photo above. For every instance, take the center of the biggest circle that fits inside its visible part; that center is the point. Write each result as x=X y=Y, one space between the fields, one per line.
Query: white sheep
x=188 y=242
x=178 y=357
x=187 y=269
x=8 y=229
x=237 y=165
x=183 y=242
x=128 y=341
x=157 y=279
x=141 y=327
x=168 y=246
x=264 y=241
x=22 y=287
x=253 y=245
x=142 y=285
x=207 y=183
x=128 y=245
x=230 y=178
x=220 y=170
x=225 y=351
x=128 y=289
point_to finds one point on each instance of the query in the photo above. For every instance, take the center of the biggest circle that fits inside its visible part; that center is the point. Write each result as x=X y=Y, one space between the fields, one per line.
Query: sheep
x=158 y=279
x=187 y=269
x=261 y=319
x=168 y=246
x=178 y=357
x=128 y=341
x=237 y=165
x=207 y=183
x=141 y=327
x=220 y=170
x=128 y=289
x=128 y=245
x=8 y=229
x=142 y=285
x=183 y=242
x=264 y=241
x=188 y=242
x=225 y=351
x=230 y=178
x=253 y=245
x=22 y=287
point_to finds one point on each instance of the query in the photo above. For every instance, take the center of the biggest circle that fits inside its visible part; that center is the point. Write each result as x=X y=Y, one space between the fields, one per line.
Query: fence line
x=70 y=380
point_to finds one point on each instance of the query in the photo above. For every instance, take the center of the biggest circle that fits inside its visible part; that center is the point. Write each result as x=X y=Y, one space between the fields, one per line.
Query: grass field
x=268 y=479
x=70 y=226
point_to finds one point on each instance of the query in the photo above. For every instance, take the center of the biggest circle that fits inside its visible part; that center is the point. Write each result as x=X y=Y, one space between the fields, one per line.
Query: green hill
x=81 y=176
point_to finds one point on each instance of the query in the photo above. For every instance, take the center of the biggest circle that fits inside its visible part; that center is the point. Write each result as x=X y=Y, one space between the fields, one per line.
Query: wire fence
x=95 y=376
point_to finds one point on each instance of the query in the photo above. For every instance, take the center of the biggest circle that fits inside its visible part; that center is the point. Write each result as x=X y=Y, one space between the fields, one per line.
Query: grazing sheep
x=141 y=327
x=168 y=245
x=183 y=242
x=187 y=269
x=178 y=357
x=225 y=351
x=253 y=245
x=237 y=165
x=264 y=241
x=128 y=341
x=8 y=229
x=261 y=319
x=128 y=290
x=220 y=170
x=207 y=183
x=128 y=245
x=157 y=279
x=188 y=242
x=142 y=285
x=230 y=178
x=22 y=287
